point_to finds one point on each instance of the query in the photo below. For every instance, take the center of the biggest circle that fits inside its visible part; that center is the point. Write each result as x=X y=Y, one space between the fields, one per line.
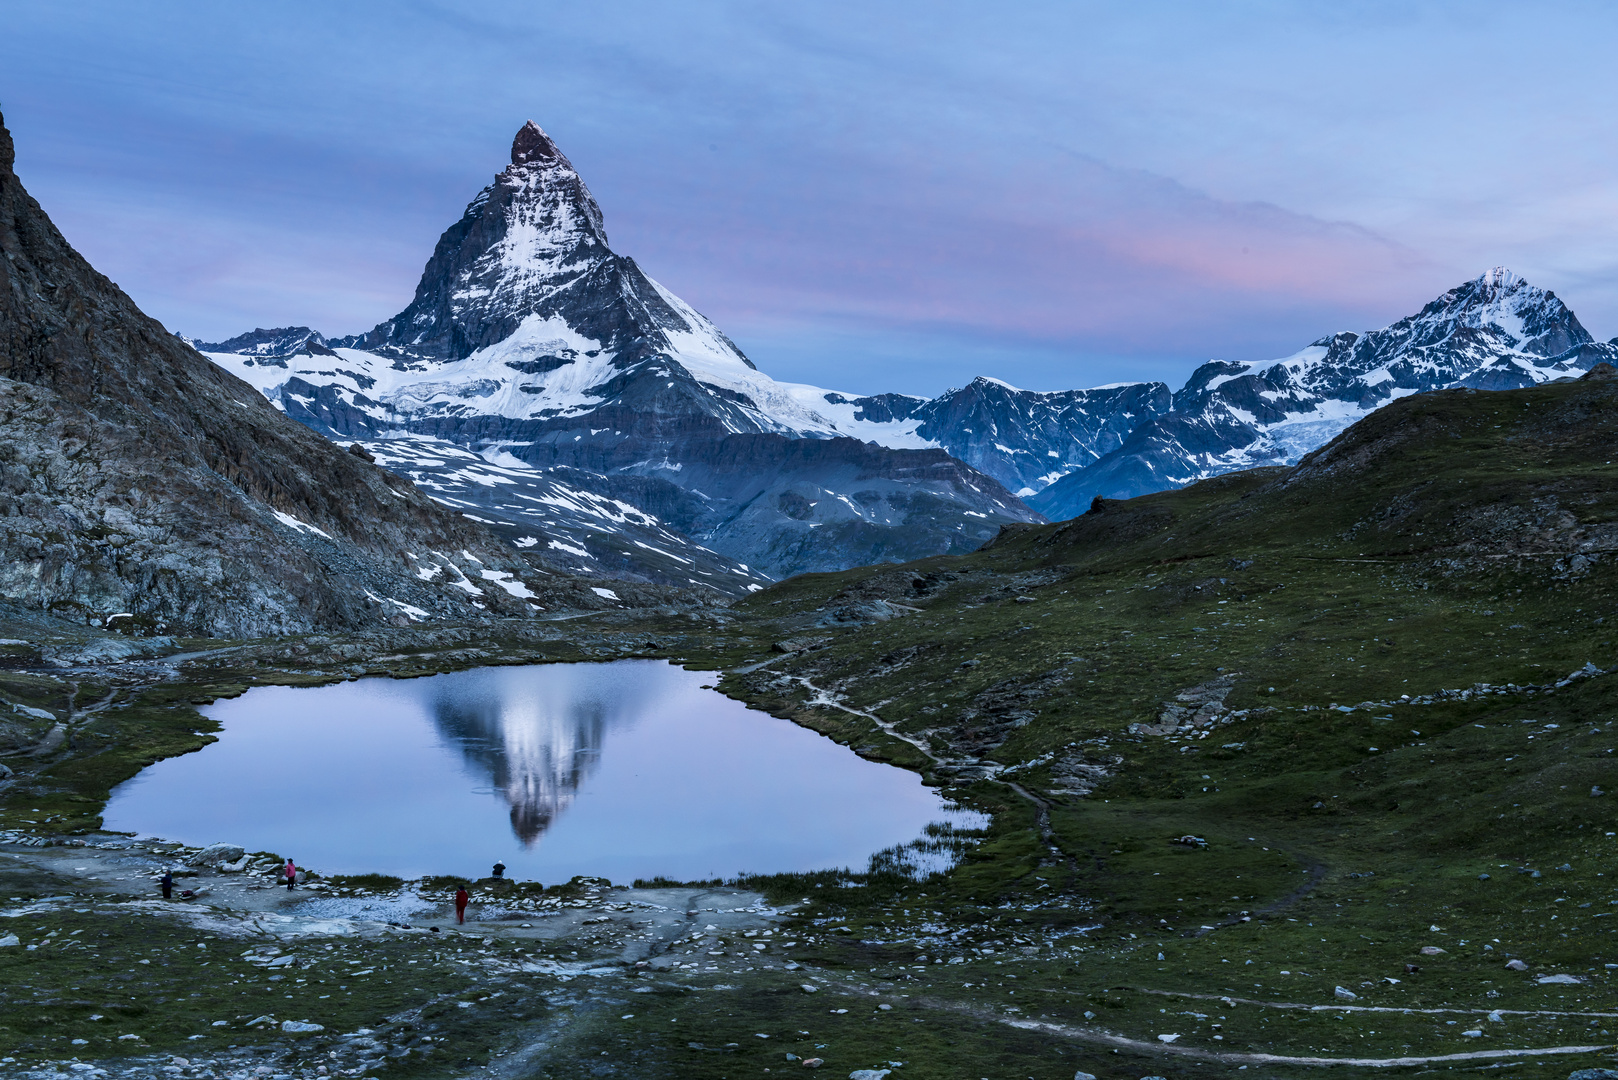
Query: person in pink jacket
x=291 y=872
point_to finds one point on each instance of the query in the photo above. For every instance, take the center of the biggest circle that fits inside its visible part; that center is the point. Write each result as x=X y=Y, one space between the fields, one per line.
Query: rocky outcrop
x=139 y=480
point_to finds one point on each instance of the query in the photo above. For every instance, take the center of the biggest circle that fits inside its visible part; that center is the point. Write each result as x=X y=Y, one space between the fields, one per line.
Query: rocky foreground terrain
x=1304 y=770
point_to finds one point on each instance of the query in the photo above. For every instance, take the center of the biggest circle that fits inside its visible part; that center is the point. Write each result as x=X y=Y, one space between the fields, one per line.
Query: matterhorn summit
x=531 y=251
x=542 y=380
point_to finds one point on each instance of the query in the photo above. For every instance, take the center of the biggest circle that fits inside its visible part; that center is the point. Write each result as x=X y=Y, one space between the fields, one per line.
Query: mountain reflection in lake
x=623 y=770
x=536 y=748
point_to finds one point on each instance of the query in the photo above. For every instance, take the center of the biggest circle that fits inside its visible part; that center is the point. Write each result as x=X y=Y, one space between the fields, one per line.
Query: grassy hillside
x=1375 y=735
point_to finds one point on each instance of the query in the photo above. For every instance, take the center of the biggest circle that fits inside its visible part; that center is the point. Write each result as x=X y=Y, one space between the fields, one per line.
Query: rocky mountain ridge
x=145 y=488
x=530 y=342
x=1496 y=332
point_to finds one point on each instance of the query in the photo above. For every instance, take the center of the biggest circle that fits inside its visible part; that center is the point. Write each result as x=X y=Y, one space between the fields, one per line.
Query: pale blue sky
x=869 y=196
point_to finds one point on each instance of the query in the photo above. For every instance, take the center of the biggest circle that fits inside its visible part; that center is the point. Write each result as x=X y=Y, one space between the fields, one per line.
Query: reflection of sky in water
x=623 y=770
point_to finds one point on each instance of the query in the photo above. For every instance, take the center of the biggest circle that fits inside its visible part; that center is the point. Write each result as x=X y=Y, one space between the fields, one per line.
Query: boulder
x=1344 y=994
x=300 y=1027
x=214 y=854
x=1516 y=965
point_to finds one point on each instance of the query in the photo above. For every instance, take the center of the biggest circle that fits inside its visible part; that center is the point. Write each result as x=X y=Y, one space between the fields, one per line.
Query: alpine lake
x=633 y=769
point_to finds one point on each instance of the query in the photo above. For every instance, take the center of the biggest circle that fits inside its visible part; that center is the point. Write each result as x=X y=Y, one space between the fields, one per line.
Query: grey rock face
x=269 y=344
x=1024 y=439
x=581 y=522
x=139 y=481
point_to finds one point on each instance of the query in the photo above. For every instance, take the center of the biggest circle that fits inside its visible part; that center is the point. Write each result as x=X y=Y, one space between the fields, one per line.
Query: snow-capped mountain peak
x=532 y=144
x=1495 y=332
x=529 y=336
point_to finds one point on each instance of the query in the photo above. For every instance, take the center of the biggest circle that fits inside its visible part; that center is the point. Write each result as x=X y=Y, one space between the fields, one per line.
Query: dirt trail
x=1363 y=1008
x=1193 y=1053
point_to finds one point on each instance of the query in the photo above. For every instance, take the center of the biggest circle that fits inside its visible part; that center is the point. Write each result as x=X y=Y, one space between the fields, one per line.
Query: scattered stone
x=1593 y=1074
x=1167 y=1038
x=1432 y=950
x=1082 y=1075
x=1559 y=980
x=1516 y=965
x=1596 y=792
x=1473 y=1034
x=869 y=1074
x=10 y=939
x=1483 y=877
x=813 y=1063
x=1344 y=994
x=260 y=1020
x=809 y=988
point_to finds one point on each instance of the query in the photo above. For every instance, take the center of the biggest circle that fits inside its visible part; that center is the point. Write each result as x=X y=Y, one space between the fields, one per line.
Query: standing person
x=499 y=869
x=168 y=885
x=461 y=900
x=291 y=872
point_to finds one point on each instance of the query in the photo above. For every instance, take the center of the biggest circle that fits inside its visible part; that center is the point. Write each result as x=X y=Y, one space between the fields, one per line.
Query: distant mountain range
x=544 y=384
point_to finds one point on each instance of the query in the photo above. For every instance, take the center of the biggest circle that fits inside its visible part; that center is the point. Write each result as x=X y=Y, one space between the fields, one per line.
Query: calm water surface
x=621 y=770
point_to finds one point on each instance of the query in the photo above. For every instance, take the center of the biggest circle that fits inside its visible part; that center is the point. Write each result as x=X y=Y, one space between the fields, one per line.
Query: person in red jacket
x=461 y=900
x=291 y=872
